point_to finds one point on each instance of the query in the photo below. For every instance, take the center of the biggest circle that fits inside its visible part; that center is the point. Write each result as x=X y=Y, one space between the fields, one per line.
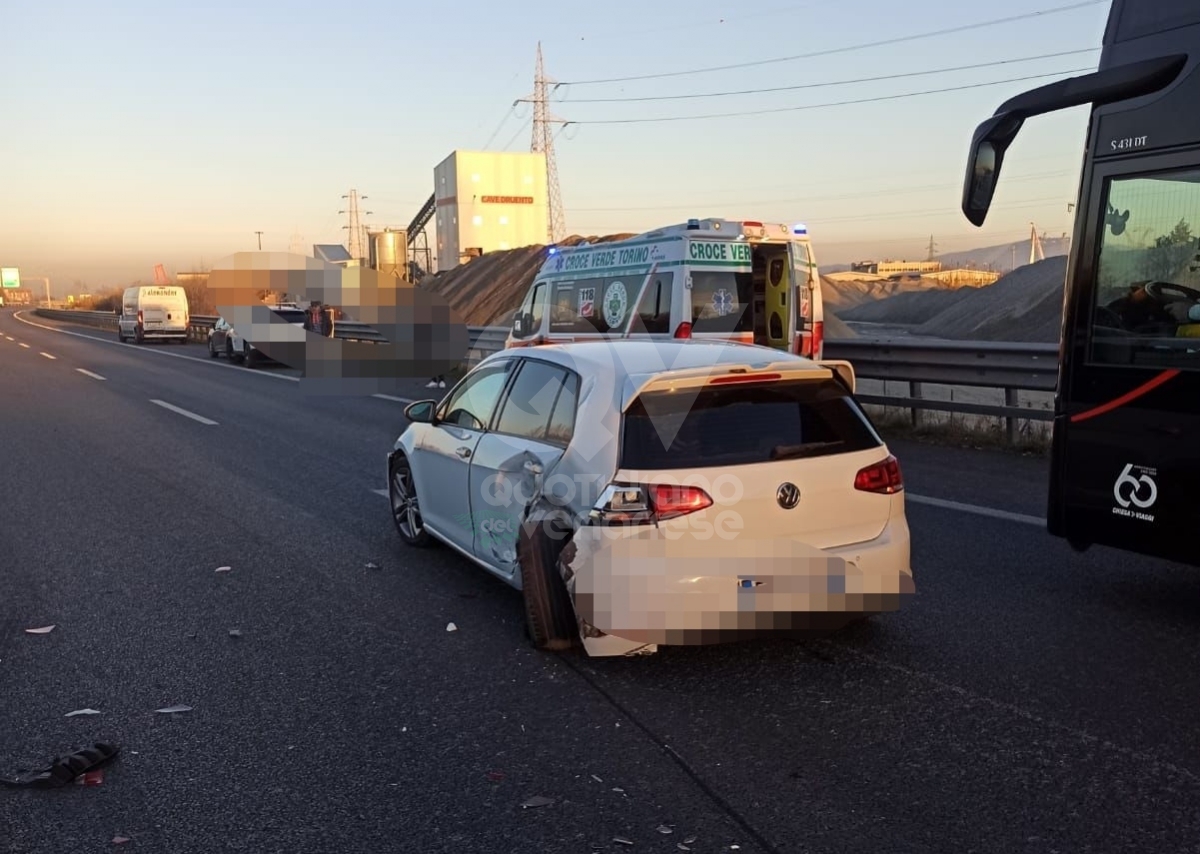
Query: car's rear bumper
x=643 y=588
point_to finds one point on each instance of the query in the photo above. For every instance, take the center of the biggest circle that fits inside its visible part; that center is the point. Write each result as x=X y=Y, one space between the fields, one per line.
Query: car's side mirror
x=421 y=411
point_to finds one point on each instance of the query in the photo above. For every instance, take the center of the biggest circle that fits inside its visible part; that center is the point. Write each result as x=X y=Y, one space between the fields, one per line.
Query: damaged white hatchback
x=646 y=493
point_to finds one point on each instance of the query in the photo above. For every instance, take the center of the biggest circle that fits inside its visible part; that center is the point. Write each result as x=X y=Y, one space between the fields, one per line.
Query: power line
x=829 y=104
x=831 y=83
x=870 y=194
x=881 y=43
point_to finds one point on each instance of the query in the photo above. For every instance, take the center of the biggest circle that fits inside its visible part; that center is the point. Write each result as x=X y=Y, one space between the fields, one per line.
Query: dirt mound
x=914 y=307
x=1025 y=305
x=485 y=291
x=835 y=327
x=845 y=294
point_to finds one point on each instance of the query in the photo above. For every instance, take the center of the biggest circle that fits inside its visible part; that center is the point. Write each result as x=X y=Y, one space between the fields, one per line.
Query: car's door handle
x=533 y=468
x=464 y=452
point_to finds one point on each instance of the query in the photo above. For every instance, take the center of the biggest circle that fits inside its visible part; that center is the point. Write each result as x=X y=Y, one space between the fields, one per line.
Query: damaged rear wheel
x=406 y=512
x=549 y=613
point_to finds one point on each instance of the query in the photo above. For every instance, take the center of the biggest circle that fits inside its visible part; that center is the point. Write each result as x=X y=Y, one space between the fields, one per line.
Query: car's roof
x=641 y=357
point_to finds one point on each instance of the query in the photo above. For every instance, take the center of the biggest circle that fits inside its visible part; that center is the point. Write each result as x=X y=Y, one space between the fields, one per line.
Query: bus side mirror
x=992 y=139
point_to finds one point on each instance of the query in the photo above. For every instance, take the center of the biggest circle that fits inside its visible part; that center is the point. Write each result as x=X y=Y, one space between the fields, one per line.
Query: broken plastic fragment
x=224 y=569
x=682 y=847
x=235 y=633
x=90 y=778
x=495 y=776
x=537 y=801
x=120 y=840
x=689 y=840
x=622 y=840
x=597 y=779
x=663 y=829
x=81 y=712
x=65 y=769
x=44 y=630
x=170 y=710
x=450 y=627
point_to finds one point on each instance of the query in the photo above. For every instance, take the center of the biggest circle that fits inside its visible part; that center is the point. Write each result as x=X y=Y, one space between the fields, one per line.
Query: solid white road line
x=47 y=355
x=156 y=351
x=393 y=397
x=382 y=492
x=184 y=412
x=88 y=373
x=976 y=509
x=26 y=346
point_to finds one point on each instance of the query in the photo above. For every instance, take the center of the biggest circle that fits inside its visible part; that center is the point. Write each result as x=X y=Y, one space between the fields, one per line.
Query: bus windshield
x=1147 y=302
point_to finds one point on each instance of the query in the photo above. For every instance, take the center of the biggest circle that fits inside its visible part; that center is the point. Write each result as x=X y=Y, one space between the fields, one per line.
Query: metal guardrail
x=1011 y=367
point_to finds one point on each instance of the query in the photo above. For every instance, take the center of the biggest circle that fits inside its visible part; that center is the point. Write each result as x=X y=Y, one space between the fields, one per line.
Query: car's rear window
x=291 y=315
x=742 y=425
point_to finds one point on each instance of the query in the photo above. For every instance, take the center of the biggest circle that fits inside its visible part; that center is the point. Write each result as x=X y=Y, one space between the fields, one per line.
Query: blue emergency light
x=799 y=228
x=693 y=225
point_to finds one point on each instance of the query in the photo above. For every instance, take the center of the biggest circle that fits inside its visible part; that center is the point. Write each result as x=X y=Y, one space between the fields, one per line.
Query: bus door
x=1127 y=426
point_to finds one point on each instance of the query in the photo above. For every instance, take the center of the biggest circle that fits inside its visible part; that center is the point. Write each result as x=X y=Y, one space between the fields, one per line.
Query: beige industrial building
x=488 y=201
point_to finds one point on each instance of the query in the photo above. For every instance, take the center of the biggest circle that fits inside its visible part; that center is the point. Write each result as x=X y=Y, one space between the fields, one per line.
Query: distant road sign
x=10 y=277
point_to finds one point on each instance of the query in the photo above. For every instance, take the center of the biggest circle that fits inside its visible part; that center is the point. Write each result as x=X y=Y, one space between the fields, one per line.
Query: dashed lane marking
x=156 y=351
x=88 y=373
x=48 y=356
x=976 y=509
x=184 y=412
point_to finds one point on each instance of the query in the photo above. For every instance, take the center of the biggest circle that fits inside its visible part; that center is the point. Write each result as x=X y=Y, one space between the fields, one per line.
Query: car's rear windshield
x=290 y=315
x=744 y=424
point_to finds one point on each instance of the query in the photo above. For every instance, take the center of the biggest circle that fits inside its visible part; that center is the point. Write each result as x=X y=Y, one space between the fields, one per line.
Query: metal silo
x=389 y=252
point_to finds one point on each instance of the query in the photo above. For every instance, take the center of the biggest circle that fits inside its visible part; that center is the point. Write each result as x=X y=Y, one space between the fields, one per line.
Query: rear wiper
x=791 y=452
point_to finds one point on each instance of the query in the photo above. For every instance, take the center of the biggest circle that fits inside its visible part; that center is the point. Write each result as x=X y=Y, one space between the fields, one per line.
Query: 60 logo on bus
x=1140 y=491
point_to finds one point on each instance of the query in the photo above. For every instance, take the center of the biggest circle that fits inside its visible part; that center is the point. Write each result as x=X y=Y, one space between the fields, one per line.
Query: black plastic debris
x=62 y=770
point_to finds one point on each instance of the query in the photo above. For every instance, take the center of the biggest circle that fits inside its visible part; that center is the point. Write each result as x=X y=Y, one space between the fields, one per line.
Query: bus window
x=722 y=302
x=1147 y=290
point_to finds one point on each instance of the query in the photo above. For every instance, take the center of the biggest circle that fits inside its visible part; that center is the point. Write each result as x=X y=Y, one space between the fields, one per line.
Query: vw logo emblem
x=788 y=495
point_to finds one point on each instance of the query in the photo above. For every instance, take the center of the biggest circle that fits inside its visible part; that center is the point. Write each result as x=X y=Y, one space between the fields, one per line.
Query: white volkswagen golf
x=646 y=493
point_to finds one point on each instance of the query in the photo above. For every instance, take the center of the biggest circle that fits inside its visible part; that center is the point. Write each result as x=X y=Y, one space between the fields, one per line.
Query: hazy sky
x=141 y=132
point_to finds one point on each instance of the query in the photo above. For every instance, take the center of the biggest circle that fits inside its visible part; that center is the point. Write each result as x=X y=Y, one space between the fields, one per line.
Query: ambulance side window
x=654 y=313
x=576 y=307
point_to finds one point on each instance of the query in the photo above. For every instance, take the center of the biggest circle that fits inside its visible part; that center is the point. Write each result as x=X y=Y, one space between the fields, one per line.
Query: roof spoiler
x=696 y=378
x=993 y=136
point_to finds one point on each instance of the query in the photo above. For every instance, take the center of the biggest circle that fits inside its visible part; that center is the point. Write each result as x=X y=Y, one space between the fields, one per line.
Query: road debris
x=65 y=769
x=450 y=627
x=235 y=633
x=120 y=840
x=81 y=712
x=44 y=630
x=495 y=776
x=90 y=779
x=372 y=565
x=663 y=829
x=171 y=710
x=622 y=840
x=223 y=569
x=537 y=801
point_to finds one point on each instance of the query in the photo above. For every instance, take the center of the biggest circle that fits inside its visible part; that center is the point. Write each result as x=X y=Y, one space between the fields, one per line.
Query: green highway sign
x=10 y=277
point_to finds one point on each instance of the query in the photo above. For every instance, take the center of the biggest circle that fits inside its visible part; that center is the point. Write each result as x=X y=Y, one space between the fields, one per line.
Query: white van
x=749 y=282
x=153 y=313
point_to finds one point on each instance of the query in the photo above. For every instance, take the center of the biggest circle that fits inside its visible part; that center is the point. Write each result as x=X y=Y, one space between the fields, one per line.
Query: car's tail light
x=637 y=504
x=683 y=330
x=883 y=477
x=818 y=339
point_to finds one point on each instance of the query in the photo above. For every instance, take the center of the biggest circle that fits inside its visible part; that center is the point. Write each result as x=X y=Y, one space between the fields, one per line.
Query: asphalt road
x=1029 y=699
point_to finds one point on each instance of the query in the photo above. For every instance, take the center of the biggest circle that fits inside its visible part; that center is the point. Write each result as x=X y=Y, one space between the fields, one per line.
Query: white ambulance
x=751 y=282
